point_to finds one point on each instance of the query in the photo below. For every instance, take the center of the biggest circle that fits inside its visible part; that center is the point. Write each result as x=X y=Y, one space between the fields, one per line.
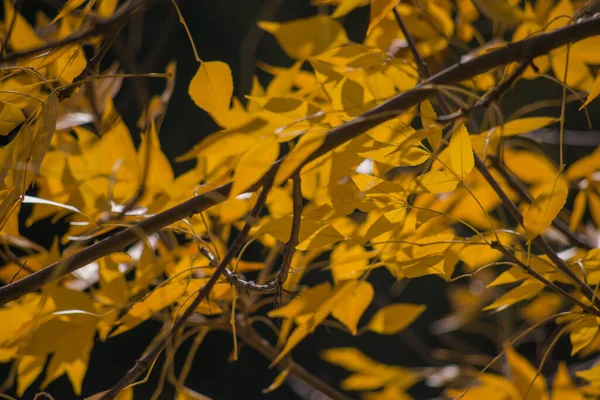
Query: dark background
x=219 y=29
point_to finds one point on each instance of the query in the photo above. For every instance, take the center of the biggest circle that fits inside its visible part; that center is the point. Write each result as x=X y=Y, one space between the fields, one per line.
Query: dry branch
x=147 y=359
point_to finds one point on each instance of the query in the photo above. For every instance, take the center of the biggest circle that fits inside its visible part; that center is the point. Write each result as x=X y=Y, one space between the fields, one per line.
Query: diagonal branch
x=147 y=359
x=532 y=47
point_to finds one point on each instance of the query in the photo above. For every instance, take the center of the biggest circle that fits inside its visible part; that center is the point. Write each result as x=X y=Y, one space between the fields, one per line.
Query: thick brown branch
x=532 y=47
x=147 y=359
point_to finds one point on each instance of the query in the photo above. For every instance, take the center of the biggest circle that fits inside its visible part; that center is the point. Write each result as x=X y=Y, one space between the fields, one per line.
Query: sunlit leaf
x=254 y=164
x=461 y=152
x=212 y=86
x=351 y=309
x=304 y=38
x=502 y=11
x=394 y=318
x=545 y=207
x=524 y=376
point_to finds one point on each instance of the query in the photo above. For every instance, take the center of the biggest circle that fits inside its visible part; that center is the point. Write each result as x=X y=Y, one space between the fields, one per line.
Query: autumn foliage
x=394 y=153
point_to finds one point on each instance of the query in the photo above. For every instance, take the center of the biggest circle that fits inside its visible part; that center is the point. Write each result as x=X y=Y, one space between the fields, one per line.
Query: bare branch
x=144 y=362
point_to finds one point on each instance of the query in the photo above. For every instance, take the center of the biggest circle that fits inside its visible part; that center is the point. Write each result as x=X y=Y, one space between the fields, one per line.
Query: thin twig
x=144 y=362
x=531 y=47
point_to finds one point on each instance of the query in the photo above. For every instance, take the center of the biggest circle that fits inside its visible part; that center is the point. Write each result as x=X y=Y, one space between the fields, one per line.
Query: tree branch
x=147 y=359
x=538 y=240
x=532 y=47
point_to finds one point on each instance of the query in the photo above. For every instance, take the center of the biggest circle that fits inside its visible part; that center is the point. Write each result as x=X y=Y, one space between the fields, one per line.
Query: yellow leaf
x=351 y=359
x=306 y=146
x=501 y=11
x=10 y=117
x=490 y=386
x=304 y=38
x=582 y=334
x=28 y=369
x=70 y=64
x=520 y=126
x=254 y=164
x=522 y=373
x=349 y=311
x=278 y=381
x=584 y=166
x=160 y=174
x=346 y=6
x=594 y=91
x=310 y=322
x=106 y=8
x=394 y=318
x=563 y=387
x=578 y=210
x=477 y=253
x=434 y=182
x=23 y=36
x=348 y=261
x=594 y=203
x=313 y=234
x=69 y=6
x=591 y=375
x=524 y=291
x=189 y=394
x=545 y=207
x=379 y=10
x=112 y=281
x=543 y=306
x=307 y=302
x=212 y=86
x=160 y=298
x=461 y=152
